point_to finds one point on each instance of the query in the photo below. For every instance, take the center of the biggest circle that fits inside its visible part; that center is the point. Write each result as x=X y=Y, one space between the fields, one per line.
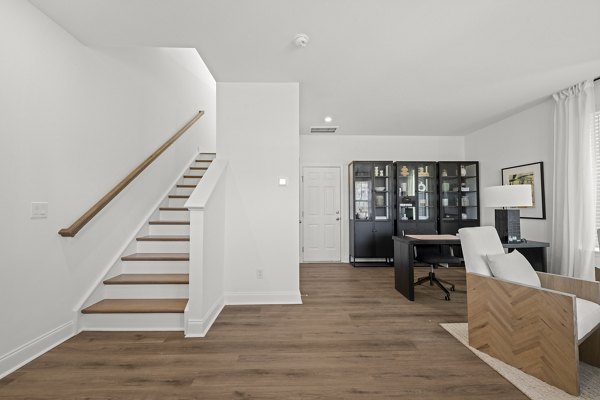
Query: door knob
x=337 y=219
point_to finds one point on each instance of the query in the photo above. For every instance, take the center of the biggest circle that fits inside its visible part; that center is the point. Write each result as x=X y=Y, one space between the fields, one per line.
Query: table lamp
x=508 y=219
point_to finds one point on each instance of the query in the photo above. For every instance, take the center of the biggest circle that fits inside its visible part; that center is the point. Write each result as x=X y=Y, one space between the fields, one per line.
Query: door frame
x=301 y=211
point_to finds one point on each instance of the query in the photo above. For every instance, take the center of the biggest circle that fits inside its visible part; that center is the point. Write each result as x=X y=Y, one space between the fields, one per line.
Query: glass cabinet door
x=382 y=195
x=426 y=198
x=406 y=176
x=450 y=183
x=468 y=192
x=362 y=199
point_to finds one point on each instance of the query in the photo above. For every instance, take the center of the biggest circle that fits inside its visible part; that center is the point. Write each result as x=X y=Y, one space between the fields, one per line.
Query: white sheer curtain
x=573 y=232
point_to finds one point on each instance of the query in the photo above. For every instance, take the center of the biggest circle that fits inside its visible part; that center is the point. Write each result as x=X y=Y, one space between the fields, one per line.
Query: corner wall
x=75 y=121
x=331 y=150
x=258 y=137
x=523 y=138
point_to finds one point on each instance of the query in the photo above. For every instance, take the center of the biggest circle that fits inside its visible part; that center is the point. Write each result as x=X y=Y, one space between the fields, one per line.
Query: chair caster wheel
x=452 y=289
x=447 y=298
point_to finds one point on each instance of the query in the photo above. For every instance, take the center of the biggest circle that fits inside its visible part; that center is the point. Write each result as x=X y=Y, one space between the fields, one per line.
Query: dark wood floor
x=354 y=337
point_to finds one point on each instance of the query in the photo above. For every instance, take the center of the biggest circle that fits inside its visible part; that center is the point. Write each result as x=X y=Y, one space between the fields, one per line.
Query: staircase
x=148 y=289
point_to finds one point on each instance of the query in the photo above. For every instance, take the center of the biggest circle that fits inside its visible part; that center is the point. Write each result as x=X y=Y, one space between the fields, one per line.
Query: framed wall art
x=529 y=174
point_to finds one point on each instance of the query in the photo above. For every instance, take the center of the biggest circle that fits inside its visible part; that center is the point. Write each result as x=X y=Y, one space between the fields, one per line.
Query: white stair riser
x=191 y=181
x=146 y=291
x=184 y=191
x=132 y=322
x=169 y=230
x=177 y=202
x=155 y=267
x=199 y=172
x=174 y=215
x=144 y=246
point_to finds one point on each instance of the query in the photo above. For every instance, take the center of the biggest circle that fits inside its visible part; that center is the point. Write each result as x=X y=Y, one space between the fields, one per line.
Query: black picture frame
x=529 y=174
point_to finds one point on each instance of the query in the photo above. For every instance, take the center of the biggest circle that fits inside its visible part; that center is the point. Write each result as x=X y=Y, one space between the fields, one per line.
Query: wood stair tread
x=169 y=222
x=186 y=186
x=199 y=168
x=179 y=196
x=132 y=306
x=163 y=238
x=149 y=279
x=172 y=209
x=157 y=257
x=192 y=176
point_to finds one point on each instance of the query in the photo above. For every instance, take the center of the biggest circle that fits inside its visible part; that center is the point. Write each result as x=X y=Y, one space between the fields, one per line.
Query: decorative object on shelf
x=444 y=172
x=421 y=187
x=376 y=171
x=423 y=171
x=379 y=201
x=445 y=187
x=508 y=223
x=379 y=188
x=531 y=175
x=445 y=200
x=464 y=201
x=404 y=170
x=406 y=201
x=403 y=187
x=381 y=173
x=463 y=171
x=464 y=216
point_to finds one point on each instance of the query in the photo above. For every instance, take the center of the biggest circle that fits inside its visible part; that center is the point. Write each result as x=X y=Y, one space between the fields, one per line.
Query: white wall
x=258 y=135
x=208 y=217
x=75 y=120
x=522 y=138
x=331 y=150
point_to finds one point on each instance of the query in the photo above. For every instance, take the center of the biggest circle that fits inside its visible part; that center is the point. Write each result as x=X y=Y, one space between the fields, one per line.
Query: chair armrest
x=587 y=290
x=533 y=329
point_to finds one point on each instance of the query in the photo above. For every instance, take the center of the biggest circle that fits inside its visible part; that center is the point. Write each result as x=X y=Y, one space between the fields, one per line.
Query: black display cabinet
x=416 y=197
x=371 y=185
x=458 y=195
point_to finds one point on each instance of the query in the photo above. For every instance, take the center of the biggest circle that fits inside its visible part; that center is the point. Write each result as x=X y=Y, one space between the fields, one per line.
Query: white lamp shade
x=507 y=196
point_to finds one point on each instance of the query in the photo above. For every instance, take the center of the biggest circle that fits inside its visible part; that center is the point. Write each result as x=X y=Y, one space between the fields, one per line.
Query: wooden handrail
x=72 y=230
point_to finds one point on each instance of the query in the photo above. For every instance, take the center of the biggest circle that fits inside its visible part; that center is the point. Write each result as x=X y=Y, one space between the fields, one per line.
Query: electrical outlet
x=259 y=274
x=39 y=210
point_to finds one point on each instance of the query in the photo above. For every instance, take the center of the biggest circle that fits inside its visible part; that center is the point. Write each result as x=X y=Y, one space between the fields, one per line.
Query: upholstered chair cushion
x=588 y=317
x=513 y=267
x=476 y=243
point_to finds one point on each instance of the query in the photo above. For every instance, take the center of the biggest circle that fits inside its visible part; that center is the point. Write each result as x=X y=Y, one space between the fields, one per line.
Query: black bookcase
x=371 y=186
x=416 y=197
x=459 y=195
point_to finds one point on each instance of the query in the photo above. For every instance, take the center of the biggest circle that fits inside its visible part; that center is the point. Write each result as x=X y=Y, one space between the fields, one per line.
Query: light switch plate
x=39 y=210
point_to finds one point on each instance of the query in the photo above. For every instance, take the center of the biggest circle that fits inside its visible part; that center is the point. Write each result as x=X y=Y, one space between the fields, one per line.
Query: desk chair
x=435 y=260
x=543 y=327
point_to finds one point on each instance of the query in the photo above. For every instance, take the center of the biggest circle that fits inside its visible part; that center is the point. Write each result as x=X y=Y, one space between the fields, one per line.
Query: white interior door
x=321 y=219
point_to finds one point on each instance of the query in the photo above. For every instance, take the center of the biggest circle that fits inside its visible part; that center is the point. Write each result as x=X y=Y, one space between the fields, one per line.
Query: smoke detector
x=301 y=40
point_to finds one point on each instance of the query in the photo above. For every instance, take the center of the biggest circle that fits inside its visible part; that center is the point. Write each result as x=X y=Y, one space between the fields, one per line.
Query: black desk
x=534 y=252
x=404 y=257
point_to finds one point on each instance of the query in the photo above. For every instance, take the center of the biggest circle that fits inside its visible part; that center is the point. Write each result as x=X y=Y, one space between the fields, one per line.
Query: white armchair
x=544 y=331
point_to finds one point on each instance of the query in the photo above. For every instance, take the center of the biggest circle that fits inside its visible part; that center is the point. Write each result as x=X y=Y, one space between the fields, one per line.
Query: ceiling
x=378 y=67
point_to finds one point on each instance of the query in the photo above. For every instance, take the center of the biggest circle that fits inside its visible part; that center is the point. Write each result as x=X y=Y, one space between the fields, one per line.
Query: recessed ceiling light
x=328 y=119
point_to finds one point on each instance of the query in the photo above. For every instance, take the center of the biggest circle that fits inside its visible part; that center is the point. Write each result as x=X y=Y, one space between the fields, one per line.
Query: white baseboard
x=248 y=298
x=23 y=354
x=200 y=327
